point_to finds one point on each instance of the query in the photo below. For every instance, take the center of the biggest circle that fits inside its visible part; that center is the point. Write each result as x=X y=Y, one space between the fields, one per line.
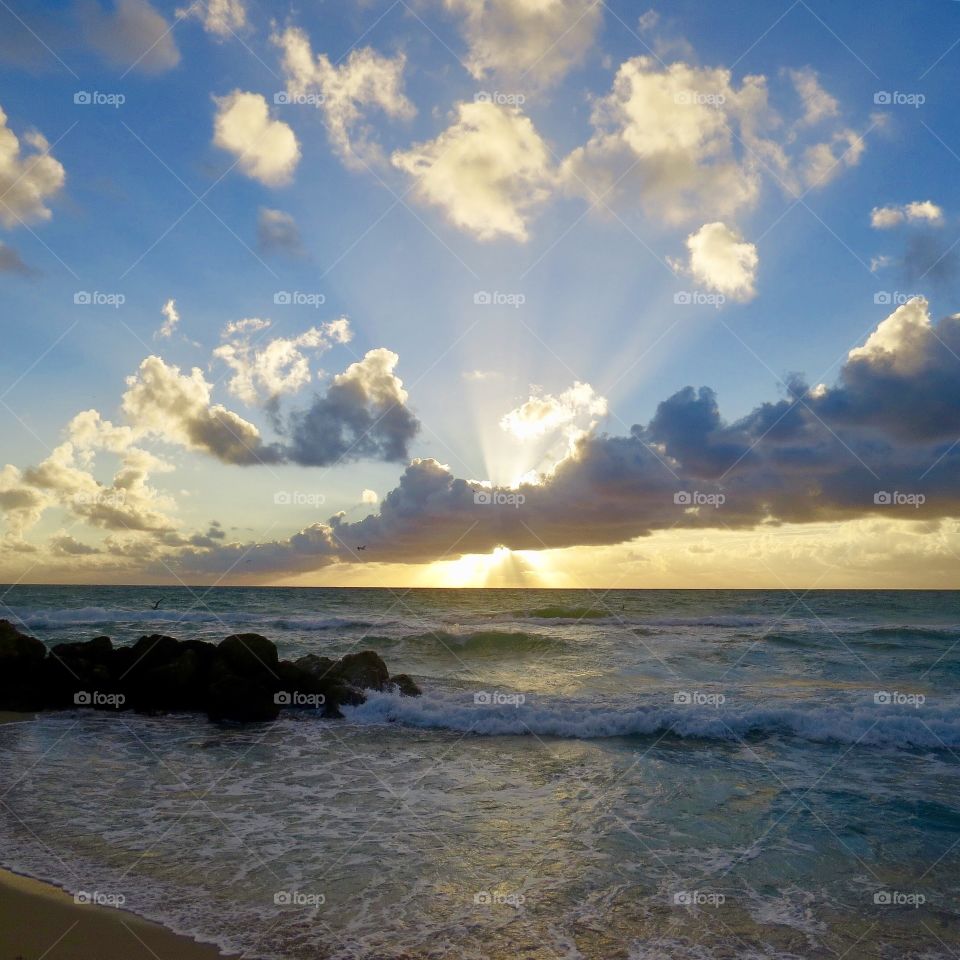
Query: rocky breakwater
x=240 y=679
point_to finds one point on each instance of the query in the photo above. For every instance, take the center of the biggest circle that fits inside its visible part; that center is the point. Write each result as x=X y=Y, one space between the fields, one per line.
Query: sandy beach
x=38 y=920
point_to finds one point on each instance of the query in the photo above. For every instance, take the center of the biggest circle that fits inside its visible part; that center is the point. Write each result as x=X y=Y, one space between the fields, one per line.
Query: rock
x=240 y=679
x=406 y=685
x=177 y=685
x=21 y=669
x=365 y=670
x=241 y=699
x=17 y=648
x=320 y=667
x=250 y=655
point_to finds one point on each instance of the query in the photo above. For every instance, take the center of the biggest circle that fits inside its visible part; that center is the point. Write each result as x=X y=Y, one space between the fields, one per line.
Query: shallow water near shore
x=625 y=774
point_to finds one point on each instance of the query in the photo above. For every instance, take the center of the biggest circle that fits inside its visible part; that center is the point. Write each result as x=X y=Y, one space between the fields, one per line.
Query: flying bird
x=156 y=606
x=364 y=547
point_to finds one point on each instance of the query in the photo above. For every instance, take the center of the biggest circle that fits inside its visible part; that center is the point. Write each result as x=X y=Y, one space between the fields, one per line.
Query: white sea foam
x=859 y=723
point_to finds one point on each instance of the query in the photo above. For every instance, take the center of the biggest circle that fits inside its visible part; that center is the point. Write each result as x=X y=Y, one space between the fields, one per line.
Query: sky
x=548 y=293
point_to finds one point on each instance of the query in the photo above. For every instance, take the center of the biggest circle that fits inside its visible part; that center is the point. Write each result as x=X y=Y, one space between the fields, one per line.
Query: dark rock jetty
x=240 y=679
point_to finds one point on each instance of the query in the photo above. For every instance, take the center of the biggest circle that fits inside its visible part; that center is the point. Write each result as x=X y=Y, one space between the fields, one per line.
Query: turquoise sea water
x=629 y=774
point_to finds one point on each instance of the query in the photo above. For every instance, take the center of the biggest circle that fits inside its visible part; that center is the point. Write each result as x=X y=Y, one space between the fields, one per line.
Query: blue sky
x=152 y=208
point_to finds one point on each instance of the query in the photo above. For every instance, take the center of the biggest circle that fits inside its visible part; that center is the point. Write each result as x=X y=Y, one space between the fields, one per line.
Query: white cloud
x=176 y=407
x=544 y=414
x=527 y=42
x=369 y=497
x=27 y=181
x=687 y=142
x=262 y=372
x=222 y=18
x=267 y=149
x=823 y=162
x=902 y=340
x=486 y=171
x=134 y=36
x=721 y=260
x=346 y=93
x=818 y=105
x=919 y=211
x=171 y=318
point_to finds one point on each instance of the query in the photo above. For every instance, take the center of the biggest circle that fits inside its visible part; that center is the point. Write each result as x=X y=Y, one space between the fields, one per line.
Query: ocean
x=588 y=774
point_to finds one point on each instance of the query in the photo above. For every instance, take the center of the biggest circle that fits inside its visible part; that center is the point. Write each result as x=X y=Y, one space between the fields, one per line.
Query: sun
x=501 y=568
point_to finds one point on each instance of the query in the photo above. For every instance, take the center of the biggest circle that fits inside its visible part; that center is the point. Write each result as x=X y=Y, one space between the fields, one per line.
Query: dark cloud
x=363 y=415
x=888 y=427
x=277 y=232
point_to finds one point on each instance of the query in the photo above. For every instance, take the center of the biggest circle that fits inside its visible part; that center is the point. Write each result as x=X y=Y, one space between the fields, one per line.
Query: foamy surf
x=501 y=713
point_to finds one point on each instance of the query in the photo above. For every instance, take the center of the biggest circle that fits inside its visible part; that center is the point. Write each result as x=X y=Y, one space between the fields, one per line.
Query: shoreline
x=42 y=920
